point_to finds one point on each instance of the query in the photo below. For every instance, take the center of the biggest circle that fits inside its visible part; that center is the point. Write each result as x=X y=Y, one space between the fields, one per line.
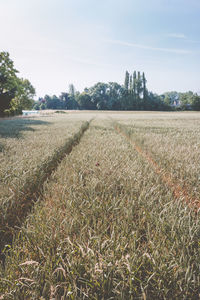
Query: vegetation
x=22 y=199
x=27 y=152
x=182 y=101
x=108 y=224
x=133 y=95
x=15 y=93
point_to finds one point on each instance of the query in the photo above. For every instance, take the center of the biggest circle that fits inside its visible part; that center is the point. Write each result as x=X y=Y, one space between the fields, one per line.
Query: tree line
x=17 y=94
x=182 y=101
x=132 y=95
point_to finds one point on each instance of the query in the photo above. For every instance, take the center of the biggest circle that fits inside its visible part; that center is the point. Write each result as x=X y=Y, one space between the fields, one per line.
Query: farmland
x=113 y=208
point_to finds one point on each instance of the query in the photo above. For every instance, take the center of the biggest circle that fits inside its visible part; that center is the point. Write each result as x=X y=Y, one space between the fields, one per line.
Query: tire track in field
x=167 y=178
x=20 y=205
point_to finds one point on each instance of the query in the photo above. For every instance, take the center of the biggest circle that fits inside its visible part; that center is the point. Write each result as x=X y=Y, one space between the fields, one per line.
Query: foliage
x=182 y=101
x=185 y=100
x=171 y=98
x=8 y=81
x=107 y=96
x=64 y=101
x=133 y=95
x=195 y=102
x=24 y=96
x=84 y=101
x=137 y=97
x=126 y=81
x=15 y=93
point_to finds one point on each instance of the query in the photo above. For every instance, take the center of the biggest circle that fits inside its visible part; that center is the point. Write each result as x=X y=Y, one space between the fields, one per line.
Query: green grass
x=106 y=226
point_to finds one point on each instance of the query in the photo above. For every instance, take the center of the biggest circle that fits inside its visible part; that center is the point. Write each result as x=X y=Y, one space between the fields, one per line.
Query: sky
x=54 y=43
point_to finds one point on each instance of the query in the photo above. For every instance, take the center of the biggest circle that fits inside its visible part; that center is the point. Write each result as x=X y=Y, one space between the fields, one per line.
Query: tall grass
x=173 y=141
x=18 y=206
x=26 y=143
x=105 y=227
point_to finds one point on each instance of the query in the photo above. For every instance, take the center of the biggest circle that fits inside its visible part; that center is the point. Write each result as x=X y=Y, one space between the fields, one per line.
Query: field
x=99 y=205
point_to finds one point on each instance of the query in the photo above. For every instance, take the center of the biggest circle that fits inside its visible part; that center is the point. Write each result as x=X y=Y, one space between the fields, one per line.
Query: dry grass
x=105 y=227
x=34 y=157
x=27 y=142
x=179 y=190
x=173 y=142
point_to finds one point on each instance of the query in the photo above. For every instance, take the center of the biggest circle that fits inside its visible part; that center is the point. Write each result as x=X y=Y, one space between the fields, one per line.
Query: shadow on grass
x=14 y=128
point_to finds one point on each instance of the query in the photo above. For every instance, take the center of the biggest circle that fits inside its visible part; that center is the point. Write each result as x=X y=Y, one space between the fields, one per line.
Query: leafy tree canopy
x=15 y=93
x=8 y=81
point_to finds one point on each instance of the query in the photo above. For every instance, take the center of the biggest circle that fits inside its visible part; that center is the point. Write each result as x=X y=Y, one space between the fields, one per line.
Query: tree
x=131 y=84
x=185 y=100
x=167 y=100
x=99 y=95
x=171 y=98
x=53 y=102
x=134 y=83
x=84 y=101
x=155 y=102
x=138 y=85
x=8 y=81
x=24 y=96
x=65 y=98
x=15 y=93
x=195 y=102
x=37 y=105
x=72 y=103
x=144 y=81
x=71 y=90
x=114 y=92
x=126 y=81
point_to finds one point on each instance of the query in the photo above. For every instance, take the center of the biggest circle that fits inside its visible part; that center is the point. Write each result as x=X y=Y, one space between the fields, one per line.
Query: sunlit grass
x=173 y=141
x=26 y=143
x=106 y=227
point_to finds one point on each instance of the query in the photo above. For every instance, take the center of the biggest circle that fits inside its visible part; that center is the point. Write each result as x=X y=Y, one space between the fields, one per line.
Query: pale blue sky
x=57 y=42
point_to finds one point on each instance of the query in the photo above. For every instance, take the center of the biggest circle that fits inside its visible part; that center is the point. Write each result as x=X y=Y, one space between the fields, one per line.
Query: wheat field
x=115 y=217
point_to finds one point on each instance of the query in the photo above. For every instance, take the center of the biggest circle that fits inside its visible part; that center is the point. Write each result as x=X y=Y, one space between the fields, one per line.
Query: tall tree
x=134 y=83
x=126 y=81
x=71 y=90
x=64 y=97
x=8 y=81
x=72 y=104
x=15 y=93
x=144 y=81
x=138 y=85
x=131 y=84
